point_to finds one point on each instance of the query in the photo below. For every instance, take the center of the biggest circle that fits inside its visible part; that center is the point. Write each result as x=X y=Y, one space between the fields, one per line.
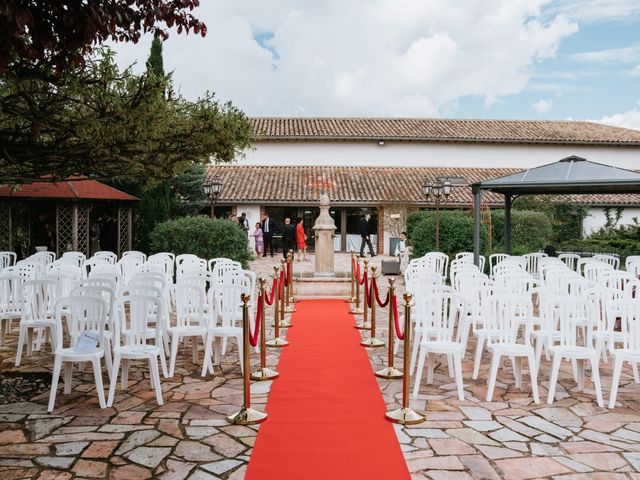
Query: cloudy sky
x=537 y=59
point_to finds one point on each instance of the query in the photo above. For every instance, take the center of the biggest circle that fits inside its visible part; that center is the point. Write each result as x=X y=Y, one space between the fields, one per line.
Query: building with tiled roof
x=375 y=165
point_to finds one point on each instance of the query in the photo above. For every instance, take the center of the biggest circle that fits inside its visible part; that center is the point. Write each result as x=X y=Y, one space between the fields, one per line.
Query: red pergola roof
x=72 y=189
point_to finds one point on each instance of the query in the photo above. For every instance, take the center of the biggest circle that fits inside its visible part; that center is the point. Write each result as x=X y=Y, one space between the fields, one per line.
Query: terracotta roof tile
x=72 y=189
x=363 y=185
x=443 y=130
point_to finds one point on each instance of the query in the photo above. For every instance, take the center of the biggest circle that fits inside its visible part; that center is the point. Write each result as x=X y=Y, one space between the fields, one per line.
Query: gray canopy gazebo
x=571 y=175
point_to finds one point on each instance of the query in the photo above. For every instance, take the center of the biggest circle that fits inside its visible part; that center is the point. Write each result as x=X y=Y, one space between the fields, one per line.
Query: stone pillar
x=324 y=229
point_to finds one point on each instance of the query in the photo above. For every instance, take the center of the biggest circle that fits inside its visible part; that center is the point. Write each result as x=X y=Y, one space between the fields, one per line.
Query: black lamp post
x=436 y=190
x=212 y=187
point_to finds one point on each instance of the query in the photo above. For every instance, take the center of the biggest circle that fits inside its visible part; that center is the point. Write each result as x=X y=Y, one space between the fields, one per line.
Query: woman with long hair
x=301 y=240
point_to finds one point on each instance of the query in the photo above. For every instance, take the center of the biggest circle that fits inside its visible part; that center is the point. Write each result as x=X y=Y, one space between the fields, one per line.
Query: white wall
x=416 y=154
x=596 y=218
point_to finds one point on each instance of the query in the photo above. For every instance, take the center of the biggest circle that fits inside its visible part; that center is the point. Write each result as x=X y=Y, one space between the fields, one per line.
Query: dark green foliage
x=413 y=219
x=567 y=221
x=203 y=237
x=456 y=233
x=105 y=123
x=623 y=240
x=530 y=231
x=187 y=193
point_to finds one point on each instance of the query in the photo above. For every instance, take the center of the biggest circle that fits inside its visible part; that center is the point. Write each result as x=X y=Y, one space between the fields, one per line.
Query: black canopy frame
x=571 y=175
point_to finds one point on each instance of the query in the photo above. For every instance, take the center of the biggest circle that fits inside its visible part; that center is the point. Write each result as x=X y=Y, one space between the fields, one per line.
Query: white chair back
x=611 y=260
x=570 y=260
x=74 y=258
x=110 y=257
x=7 y=259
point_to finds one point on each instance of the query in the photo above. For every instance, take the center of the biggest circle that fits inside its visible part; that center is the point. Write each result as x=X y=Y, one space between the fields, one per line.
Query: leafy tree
x=101 y=122
x=187 y=194
x=62 y=33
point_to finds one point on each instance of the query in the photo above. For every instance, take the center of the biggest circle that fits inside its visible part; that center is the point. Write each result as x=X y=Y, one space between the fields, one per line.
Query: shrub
x=623 y=241
x=567 y=221
x=203 y=237
x=456 y=233
x=413 y=219
x=530 y=231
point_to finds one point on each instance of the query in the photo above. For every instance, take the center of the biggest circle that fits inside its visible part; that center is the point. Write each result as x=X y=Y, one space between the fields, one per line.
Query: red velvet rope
x=394 y=306
x=269 y=301
x=374 y=283
x=280 y=282
x=289 y=273
x=253 y=337
x=364 y=276
x=357 y=273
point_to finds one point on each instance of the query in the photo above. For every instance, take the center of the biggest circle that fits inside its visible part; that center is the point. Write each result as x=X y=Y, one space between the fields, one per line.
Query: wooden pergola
x=72 y=202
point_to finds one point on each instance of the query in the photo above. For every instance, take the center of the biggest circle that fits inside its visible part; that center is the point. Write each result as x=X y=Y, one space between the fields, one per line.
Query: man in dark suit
x=267 y=234
x=365 y=235
x=288 y=237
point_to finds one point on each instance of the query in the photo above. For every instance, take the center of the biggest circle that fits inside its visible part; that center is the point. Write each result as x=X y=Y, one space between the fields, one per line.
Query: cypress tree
x=155 y=202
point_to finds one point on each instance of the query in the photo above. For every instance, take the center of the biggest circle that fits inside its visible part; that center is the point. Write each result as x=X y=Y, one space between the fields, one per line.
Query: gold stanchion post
x=284 y=323
x=405 y=414
x=290 y=308
x=372 y=341
x=277 y=342
x=365 y=324
x=292 y=298
x=352 y=298
x=246 y=415
x=356 y=309
x=390 y=371
x=263 y=373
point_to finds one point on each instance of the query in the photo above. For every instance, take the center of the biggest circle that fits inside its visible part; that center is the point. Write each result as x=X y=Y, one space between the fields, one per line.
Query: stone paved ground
x=189 y=437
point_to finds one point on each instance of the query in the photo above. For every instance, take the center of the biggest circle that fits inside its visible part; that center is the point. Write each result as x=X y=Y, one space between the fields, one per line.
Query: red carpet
x=326 y=414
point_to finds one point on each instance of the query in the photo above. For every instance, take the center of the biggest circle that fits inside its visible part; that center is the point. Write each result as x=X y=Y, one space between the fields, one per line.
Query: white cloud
x=542 y=106
x=361 y=57
x=596 y=10
x=635 y=72
x=628 y=119
x=612 y=55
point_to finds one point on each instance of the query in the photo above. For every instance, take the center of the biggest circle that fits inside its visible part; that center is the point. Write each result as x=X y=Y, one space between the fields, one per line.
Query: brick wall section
x=380 y=246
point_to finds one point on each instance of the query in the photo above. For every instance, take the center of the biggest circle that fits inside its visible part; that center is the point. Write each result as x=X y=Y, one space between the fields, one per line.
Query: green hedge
x=624 y=241
x=456 y=232
x=203 y=237
x=530 y=231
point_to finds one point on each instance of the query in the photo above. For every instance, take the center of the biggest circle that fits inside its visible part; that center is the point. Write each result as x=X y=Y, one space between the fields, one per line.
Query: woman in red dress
x=301 y=240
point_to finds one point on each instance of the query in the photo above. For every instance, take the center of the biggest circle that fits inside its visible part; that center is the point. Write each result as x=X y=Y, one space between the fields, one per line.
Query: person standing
x=288 y=237
x=267 y=234
x=365 y=235
x=244 y=223
x=258 y=238
x=301 y=240
x=109 y=233
x=42 y=234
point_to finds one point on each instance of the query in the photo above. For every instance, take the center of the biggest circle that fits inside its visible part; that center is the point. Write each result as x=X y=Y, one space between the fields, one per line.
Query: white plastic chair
x=128 y=265
x=503 y=339
x=222 y=322
x=570 y=260
x=88 y=316
x=628 y=311
x=7 y=259
x=495 y=259
x=142 y=257
x=11 y=301
x=569 y=313
x=40 y=297
x=533 y=260
x=74 y=258
x=112 y=272
x=438 y=338
x=65 y=268
x=190 y=320
x=111 y=257
x=133 y=317
x=611 y=260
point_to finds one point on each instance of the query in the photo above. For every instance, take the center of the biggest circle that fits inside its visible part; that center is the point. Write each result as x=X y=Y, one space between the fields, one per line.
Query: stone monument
x=324 y=229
